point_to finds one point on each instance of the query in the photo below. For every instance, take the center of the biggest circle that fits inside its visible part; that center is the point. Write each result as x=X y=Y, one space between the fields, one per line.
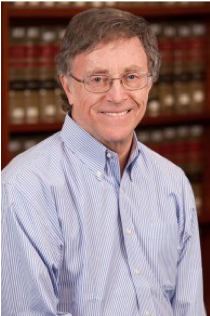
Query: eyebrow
x=97 y=71
x=106 y=72
x=134 y=68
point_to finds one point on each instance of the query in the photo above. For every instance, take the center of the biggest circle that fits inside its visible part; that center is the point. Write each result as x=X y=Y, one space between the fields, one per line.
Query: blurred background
x=177 y=122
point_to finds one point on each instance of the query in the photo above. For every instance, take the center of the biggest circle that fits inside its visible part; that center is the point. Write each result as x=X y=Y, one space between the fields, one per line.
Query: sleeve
x=31 y=255
x=188 y=298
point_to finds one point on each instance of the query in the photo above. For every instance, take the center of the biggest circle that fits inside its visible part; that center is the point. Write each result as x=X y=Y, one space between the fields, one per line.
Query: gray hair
x=100 y=26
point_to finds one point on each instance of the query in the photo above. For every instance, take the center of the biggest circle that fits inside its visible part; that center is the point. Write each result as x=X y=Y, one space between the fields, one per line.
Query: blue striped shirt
x=79 y=240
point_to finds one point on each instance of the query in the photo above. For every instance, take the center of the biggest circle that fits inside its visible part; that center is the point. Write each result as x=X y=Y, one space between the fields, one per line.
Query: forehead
x=115 y=56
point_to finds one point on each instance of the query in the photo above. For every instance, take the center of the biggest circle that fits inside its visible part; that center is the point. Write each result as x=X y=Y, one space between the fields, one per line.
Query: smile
x=116 y=114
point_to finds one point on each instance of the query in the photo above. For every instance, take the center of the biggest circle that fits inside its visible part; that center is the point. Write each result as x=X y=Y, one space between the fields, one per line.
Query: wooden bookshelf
x=151 y=11
x=35 y=16
x=5 y=84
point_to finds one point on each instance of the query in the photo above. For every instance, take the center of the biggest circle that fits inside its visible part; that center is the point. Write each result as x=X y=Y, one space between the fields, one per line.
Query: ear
x=64 y=81
x=149 y=86
x=151 y=82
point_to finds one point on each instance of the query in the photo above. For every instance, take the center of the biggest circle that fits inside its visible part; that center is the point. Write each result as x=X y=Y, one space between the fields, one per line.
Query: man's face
x=110 y=117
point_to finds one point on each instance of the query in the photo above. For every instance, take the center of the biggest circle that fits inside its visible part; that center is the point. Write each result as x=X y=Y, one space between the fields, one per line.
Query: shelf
x=146 y=122
x=150 y=11
x=204 y=220
x=35 y=128
x=177 y=119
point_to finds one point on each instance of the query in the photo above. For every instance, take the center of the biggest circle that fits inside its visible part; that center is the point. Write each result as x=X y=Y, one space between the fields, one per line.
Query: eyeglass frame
x=110 y=81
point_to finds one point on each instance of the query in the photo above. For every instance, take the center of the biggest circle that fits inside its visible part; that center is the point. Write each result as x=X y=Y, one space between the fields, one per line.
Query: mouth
x=116 y=114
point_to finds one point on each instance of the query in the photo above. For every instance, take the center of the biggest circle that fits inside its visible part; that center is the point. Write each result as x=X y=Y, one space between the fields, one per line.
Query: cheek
x=86 y=103
x=78 y=98
x=140 y=99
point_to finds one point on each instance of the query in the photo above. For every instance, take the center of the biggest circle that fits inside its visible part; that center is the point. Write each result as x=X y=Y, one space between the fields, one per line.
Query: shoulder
x=164 y=173
x=29 y=179
x=158 y=162
x=167 y=178
x=35 y=160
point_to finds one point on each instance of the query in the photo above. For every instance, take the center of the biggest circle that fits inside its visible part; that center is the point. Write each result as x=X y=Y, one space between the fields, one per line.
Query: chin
x=118 y=137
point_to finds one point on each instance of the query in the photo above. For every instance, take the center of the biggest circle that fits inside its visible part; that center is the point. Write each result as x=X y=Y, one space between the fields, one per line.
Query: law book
x=16 y=101
x=169 y=138
x=32 y=102
x=181 y=68
x=64 y=4
x=18 y=4
x=181 y=154
x=33 y=4
x=156 y=141
x=110 y=3
x=48 y=108
x=78 y=4
x=153 y=104
x=195 y=150
x=197 y=60
x=49 y=4
x=15 y=145
x=17 y=54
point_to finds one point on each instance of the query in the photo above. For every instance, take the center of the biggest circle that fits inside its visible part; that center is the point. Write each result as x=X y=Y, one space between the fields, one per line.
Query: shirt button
x=148 y=314
x=98 y=174
x=128 y=231
x=109 y=155
x=137 y=272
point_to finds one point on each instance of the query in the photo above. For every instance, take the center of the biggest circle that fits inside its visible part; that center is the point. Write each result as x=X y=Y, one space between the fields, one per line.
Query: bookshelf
x=155 y=13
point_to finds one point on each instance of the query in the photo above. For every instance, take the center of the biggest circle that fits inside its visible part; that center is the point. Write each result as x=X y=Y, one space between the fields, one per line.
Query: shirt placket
x=136 y=261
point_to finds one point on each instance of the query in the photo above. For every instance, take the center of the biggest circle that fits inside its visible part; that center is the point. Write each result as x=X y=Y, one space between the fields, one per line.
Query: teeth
x=116 y=114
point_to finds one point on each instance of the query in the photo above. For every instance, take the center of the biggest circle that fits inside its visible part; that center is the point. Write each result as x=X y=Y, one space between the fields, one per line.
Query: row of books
x=32 y=52
x=19 y=143
x=182 y=145
x=34 y=95
x=180 y=88
x=34 y=4
x=182 y=46
x=180 y=94
x=181 y=85
x=34 y=102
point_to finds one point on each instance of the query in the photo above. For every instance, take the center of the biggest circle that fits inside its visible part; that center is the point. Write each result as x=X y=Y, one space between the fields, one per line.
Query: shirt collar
x=88 y=149
x=135 y=151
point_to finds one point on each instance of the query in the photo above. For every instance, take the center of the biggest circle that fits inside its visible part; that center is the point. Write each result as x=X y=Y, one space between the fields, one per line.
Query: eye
x=97 y=79
x=132 y=76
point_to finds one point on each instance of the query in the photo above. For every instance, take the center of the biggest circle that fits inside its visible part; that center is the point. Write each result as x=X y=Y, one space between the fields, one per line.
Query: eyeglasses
x=102 y=83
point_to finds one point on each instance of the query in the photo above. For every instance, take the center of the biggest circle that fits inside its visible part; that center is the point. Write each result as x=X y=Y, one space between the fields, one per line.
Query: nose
x=116 y=93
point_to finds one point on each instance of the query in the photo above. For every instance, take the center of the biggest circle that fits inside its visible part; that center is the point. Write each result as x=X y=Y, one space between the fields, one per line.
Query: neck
x=123 y=159
x=123 y=151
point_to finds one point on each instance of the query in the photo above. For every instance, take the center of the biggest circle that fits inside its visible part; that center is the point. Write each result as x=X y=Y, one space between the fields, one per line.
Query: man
x=94 y=222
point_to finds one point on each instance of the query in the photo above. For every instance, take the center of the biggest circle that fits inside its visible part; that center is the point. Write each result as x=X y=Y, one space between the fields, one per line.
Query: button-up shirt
x=78 y=239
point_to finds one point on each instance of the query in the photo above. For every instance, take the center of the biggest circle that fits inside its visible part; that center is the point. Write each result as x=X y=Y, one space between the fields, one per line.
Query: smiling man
x=94 y=222
x=113 y=98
